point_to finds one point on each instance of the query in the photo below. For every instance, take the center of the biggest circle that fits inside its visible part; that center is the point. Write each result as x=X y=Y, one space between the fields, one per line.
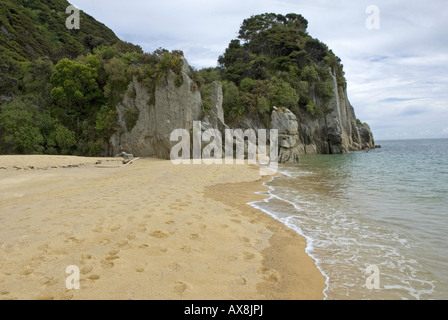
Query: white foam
x=286 y=221
x=352 y=239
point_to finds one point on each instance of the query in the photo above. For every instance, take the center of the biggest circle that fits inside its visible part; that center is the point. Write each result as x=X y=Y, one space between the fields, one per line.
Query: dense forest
x=274 y=62
x=59 y=88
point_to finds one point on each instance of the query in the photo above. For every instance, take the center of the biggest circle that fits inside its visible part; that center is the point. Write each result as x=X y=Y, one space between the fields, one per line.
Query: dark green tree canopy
x=277 y=52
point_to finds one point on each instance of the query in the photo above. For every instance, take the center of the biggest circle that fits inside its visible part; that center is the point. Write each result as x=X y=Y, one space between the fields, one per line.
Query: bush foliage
x=274 y=62
x=59 y=88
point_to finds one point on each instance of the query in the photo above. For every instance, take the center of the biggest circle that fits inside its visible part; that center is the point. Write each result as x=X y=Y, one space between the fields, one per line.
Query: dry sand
x=149 y=230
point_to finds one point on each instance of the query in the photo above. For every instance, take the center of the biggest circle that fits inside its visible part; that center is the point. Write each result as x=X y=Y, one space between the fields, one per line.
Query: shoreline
x=308 y=240
x=296 y=275
x=148 y=231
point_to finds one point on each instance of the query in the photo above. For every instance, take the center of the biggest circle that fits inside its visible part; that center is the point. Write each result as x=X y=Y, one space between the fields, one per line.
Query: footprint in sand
x=159 y=234
x=48 y=281
x=110 y=258
x=175 y=267
x=122 y=244
x=36 y=261
x=194 y=236
x=248 y=256
x=241 y=281
x=86 y=270
x=186 y=249
x=270 y=275
x=27 y=272
x=114 y=229
x=104 y=241
x=86 y=257
x=44 y=247
x=131 y=236
x=107 y=264
x=114 y=252
x=142 y=227
x=180 y=287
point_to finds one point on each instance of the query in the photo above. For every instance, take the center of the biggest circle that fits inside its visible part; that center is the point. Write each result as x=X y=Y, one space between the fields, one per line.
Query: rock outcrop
x=288 y=135
x=337 y=131
x=145 y=129
x=215 y=118
x=175 y=107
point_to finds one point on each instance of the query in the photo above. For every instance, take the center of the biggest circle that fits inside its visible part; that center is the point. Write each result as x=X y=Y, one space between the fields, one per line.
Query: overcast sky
x=397 y=75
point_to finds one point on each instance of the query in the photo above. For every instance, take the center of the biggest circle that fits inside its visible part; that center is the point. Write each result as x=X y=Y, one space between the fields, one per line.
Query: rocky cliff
x=85 y=92
x=148 y=134
x=177 y=107
x=338 y=131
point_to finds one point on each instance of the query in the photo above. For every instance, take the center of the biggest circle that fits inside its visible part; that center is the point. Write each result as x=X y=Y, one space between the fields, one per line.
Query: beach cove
x=149 y=230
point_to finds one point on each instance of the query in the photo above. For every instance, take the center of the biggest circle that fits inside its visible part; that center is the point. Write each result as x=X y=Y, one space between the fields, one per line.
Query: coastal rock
x=366 y=136
x=217 y=98
x=288 y=135
x=335 y=132
x=145 y=129
x=215 y=118
x=148 y=135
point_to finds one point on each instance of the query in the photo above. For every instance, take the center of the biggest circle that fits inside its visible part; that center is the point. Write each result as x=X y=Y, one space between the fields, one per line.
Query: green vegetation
x=155 y=69
x=78 y=99
x=18 y=127
x=274 y=62
x=59 y=88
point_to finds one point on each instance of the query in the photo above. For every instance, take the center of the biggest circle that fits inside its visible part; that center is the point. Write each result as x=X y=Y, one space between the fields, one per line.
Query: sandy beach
x=149 y=230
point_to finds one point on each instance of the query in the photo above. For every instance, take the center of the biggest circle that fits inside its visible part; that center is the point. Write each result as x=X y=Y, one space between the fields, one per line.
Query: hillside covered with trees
x=59 y=88
x=274 y=62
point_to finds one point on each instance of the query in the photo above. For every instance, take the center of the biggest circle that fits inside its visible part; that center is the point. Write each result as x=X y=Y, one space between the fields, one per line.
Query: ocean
x=376 y=222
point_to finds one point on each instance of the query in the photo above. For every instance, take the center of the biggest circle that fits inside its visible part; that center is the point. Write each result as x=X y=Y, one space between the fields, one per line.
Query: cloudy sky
x=397 y=73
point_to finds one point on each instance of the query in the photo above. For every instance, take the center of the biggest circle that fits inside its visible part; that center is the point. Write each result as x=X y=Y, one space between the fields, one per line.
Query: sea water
x=383 y=210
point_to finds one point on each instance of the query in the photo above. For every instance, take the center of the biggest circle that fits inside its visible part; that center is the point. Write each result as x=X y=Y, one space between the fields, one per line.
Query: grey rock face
x=337 y=131
x=174 y=108
x=366 y=137
x=217 y=98
x=288 y=135
x=285 y=122
x=145 y=130
x=215 y=118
